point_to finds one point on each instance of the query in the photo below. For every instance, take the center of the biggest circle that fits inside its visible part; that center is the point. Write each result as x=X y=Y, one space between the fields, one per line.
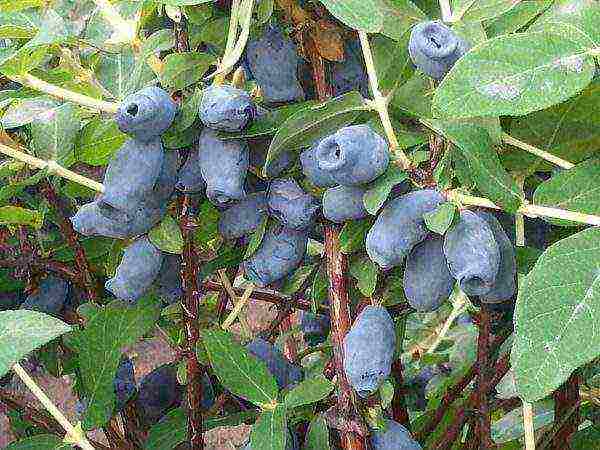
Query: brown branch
x=566 y=401
x=66 y=227
x=399 y=411
x=262 y=295
x=458 y=422
x=189 y=304
x=337 y=265
x=454 y=392
x=483 y=423
x=36 y=416
x=548 y=438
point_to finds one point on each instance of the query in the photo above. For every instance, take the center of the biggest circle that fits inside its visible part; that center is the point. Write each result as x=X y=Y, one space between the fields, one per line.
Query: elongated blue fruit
x=139 y=268
x=159 y=391
x=400 y=226
x=472 y=253
x=505 y=284
x=289 y=204
x=369 y=350
x=223 y=165
x=243 y=217
x=50 y=297
x=394 y=437
x=310 y=168
x=279 y=254
x=353 y=155
x=285 y=373
x=226 y=108
x=344 y=203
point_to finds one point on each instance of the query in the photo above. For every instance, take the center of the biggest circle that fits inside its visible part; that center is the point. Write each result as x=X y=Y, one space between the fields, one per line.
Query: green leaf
x=183 y=69
x=353 y=234
x=309 y=391
x=392 y=62
x=54 y=134
x=365 y=272
x=516 y=18
x=100 y=346
x=414 y=96
x=364 y=15
x=399 y=16
x=576 y=189
x=295 y=281
x=582 y=14
x=478 y=10
x=440 y=219
x=240 y=372
x=269 y=121
x=99 y=141
x=489 y=176
x=39 y=442
x=18 y=5
x=517 y=74
x=167 y=236
x=27 y=110
x=313 y=123
x=184 y=2
x=15 y=188
x=557 y=311
x=567 y=130
x=19 y=25
x=172 y=428
x=379 y=190
x=318 y=435
x=52 y=30
x=256 y=238
x=23 y=331
x=160 y=41
x=123 y=73
x=270 y=430
x=15 y=215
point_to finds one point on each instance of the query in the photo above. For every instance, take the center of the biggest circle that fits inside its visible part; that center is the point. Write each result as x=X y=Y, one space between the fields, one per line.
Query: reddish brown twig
x=458 y=422
x=81 y=263
x=399 y=412
x=336 y=263
x=189 y=304
x=36 y=416
x=482 y=431
x=454 y=392
x=566 y=400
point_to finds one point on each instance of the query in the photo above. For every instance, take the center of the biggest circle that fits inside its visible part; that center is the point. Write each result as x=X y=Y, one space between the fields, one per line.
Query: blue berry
x=354 y=155
x=146 y=114
x=273 y=62
x=280 y=252
x=243 y=217
x=434 y=48
x=505 y=283
x=427 y=280
x=289 y=204
x=286 y=373
x=139 y=268
x=223 y=165
x=369 y=350
x=190 y=176
x=124 y=383
x=350 y=74
x=226 y=108
x=472 y=253
x=168 y=284
x=50 y=297
x=159 y=391
x=394 y=437
x=344 y=203
x=400 y=226
x=310 y=168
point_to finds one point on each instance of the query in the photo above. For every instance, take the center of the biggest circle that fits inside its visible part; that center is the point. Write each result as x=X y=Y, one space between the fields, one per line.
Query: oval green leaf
x=556 y=316
x=364 y=15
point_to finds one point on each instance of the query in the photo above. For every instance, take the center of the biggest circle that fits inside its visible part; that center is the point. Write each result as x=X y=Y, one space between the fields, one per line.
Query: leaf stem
x=52 y=167
x=446 y=10
x=64 y=94
x=528 y=426
x=238 y=307
x=125 y=31
x=457 y=308
x=508 y=139
x=234 y=17
x=380 y=103
x=74 y=434
x=231 y=58
x=527 y=209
